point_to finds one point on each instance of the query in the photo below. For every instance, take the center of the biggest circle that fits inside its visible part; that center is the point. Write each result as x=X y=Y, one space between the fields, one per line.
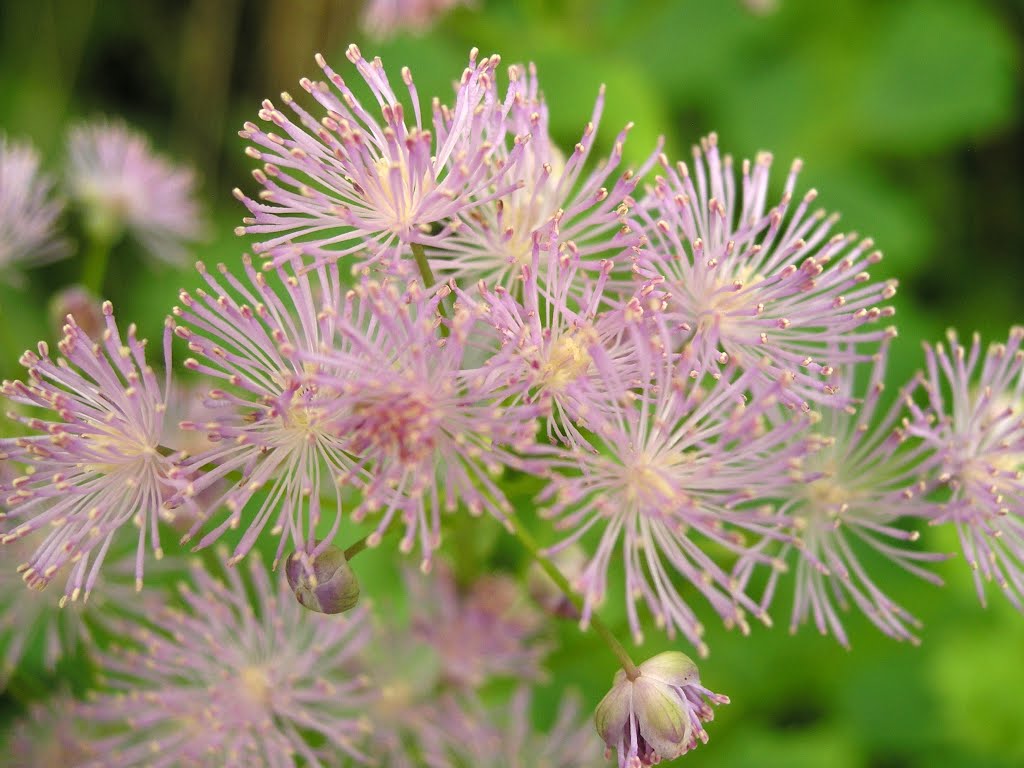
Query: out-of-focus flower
x=325 y=583
x=49 y=736
x=26 y=613
x=493 y=241
x=233 y=683
x=79 y=302
x=385 y=18
x=30 y=619
x=559 y=342
x=123 y=186
x=975 y=422
x=483 y=631
x=406 y=676
x=28 y=215
x=659 y=715
x=271 y=422
x=99 y=464
x=348 y=185
x=427 y=433
x=853 y=491
x=676 y=472
x=767 y=288
x=505 y=738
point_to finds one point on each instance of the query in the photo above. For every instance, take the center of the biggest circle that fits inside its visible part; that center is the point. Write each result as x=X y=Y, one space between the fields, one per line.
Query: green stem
x=356 y=548
x=94 y=264
x=530 y=544
x=9 y=346
x=427 y=274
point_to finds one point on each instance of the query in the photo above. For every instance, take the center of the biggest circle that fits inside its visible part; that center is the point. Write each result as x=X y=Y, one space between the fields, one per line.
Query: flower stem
x=530 y=544
x=94 y=265
x=427 y=274
x=356 y=548
x=423 y=264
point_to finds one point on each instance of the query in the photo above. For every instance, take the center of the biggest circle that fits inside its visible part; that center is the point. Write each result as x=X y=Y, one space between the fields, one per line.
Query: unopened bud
x=659 y=715
x=324 y=583
x=79 y=302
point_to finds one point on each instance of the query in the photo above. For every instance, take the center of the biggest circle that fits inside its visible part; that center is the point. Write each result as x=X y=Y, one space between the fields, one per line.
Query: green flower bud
x=325 y=583
x=659 y=715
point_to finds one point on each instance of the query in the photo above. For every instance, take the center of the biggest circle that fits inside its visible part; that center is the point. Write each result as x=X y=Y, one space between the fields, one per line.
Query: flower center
x=398 y=423
x=255 y=685
x=568 y=359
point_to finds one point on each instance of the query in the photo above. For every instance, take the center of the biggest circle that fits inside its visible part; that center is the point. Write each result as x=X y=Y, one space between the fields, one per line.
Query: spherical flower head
x=866 y=478
x=97 y=464
x=493 y=241
x=427 y=433
x=325 y=583
x=233 y=681
x=481 y=631
x=684 y=463
x=123 y=186
x=504 y=736
x=383 y=19
x=270 y=421
x=350 y=184
x=658 y=715
x=750 y=284
x=974 y=420
x=28 y=214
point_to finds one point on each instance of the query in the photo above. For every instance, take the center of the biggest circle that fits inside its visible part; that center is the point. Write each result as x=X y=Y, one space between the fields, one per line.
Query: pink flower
x=124 y=186
x=233 y=681
x=385 y=18
x=504 y=737
x=768 y=288
x=270 y=425
x=28 y=215
x=974 y=422
x=865 y=478
x=479 y=632
x=348 y=185
x=677 y=469
x=493 y=241
x=99 y=464
x=560 y=342
x=426 y=431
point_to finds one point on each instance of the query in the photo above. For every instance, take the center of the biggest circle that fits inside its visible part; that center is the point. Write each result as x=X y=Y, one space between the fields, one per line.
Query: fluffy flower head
x=231 y=683
x=748 y=283
x=124 y=186
x=97 y=465
x=351 y=183
x=975 y=422
x=27 y=213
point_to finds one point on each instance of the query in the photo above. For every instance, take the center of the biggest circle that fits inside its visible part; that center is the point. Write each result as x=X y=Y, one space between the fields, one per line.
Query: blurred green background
x=908 y=117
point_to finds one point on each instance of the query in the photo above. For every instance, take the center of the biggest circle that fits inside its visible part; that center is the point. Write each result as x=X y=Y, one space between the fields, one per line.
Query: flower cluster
x=686 y=376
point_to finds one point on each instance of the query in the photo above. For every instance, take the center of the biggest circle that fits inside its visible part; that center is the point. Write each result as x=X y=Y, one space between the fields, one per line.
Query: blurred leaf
x=933 y=73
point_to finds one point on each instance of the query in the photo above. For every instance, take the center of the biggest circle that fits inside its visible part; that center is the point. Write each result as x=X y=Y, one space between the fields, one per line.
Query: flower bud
x=79 y=301
x=324 y=583
x=659 y=715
